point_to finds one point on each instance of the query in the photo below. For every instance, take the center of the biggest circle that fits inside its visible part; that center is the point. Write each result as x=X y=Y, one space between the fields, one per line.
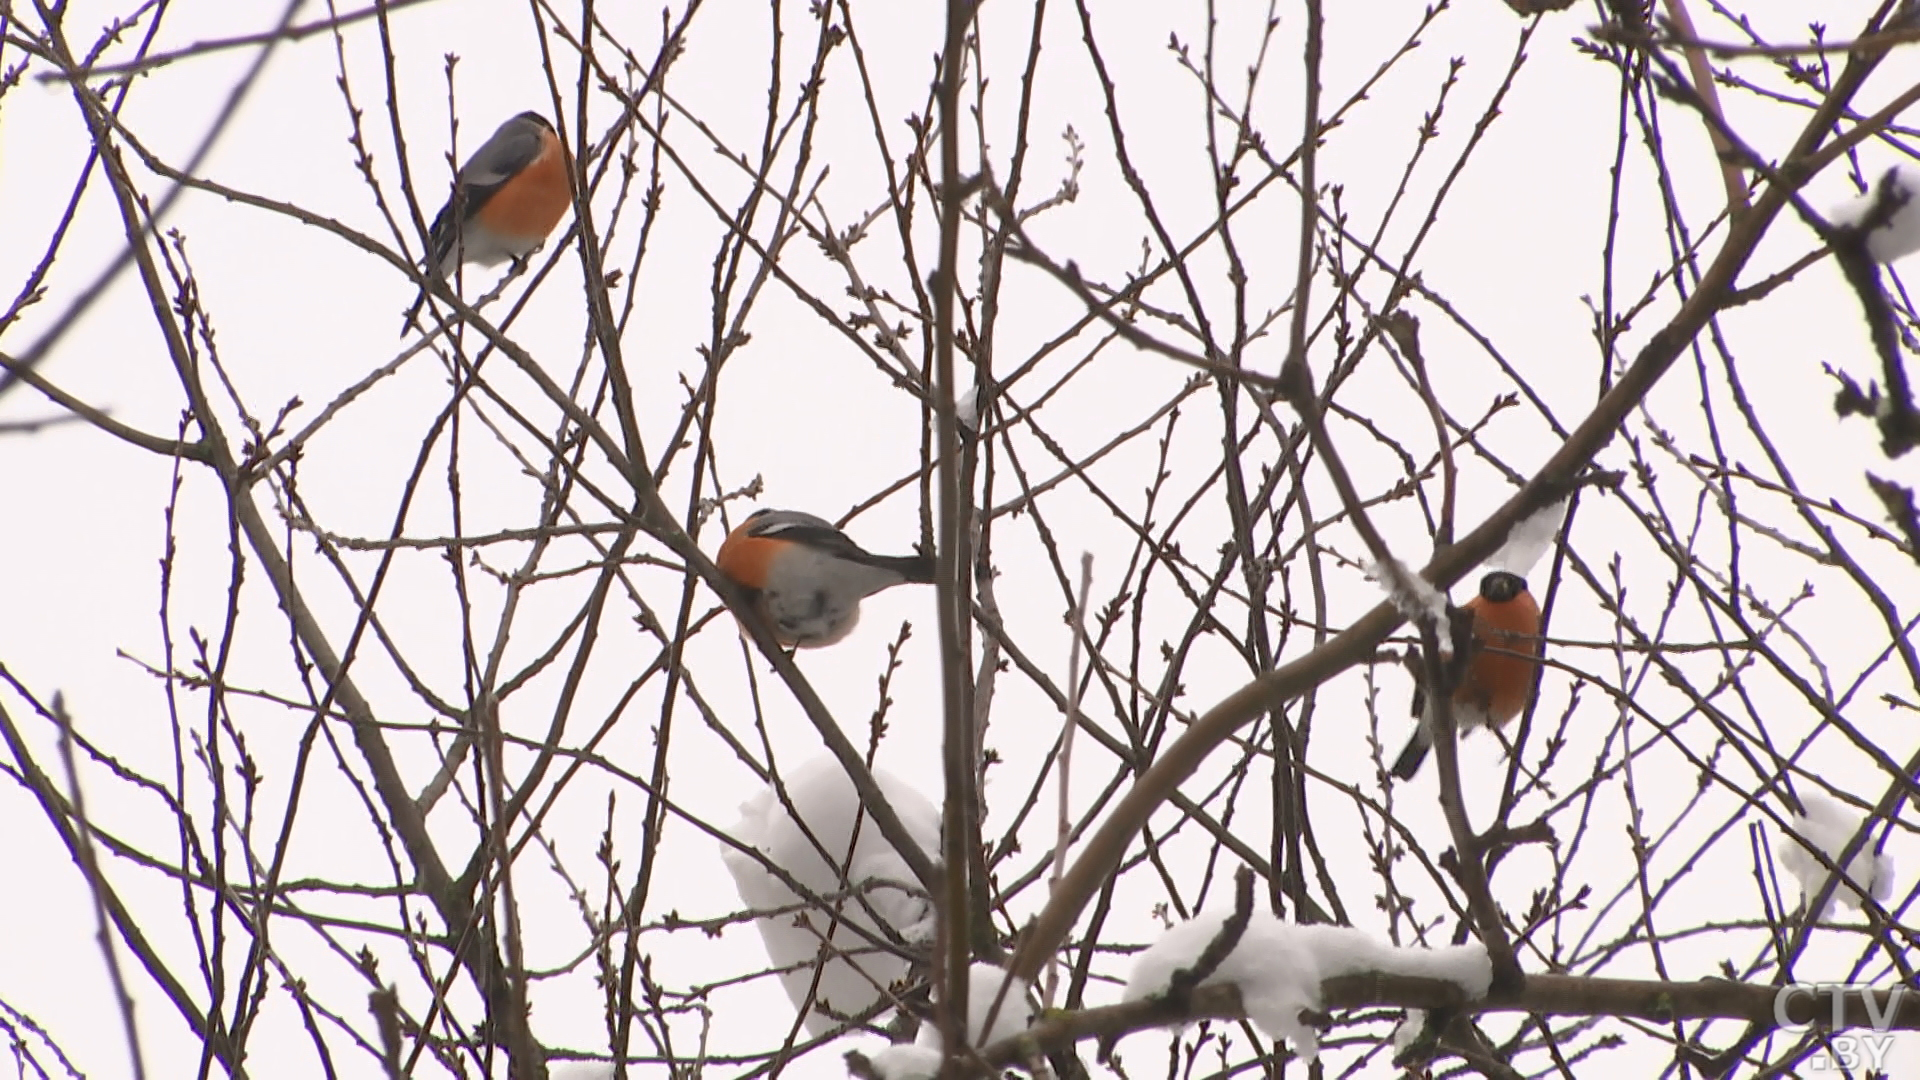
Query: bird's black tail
x=433 y=267
x=917 y=568
x=1415 y=755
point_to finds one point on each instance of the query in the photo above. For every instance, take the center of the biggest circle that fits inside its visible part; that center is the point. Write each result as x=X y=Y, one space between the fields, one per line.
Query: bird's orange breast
x=1500 y=676
x=747 y=559
x=534 y=201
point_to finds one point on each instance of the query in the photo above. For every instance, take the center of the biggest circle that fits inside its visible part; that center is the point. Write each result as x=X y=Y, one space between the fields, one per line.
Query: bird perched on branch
x=807 y=577
x=506 y=199
x=1502 y=659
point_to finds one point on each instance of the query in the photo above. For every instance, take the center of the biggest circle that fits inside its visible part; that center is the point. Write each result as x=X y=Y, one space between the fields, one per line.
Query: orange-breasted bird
x=807 y=577
x=1500 y=667
x=506 y=199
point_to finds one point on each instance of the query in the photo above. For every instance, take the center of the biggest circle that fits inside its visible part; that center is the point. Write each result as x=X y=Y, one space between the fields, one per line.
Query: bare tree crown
x=383 y=707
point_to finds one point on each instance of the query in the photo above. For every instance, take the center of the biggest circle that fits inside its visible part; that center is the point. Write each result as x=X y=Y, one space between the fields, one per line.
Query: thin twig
x=1063 y=818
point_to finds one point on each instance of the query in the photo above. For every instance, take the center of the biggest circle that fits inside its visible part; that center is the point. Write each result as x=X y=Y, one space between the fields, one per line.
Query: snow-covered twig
x=1413 y=596
x=966 y=412
x=1279 y=968
x=1888 y=213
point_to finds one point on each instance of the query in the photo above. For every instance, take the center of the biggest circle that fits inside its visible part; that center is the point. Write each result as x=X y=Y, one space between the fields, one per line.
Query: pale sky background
x=300 y=314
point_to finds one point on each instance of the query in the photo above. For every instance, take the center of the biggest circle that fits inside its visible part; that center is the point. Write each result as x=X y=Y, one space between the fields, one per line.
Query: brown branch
x=1544 y=995
x=214 y=45
x=99 y=418
x=953 y=574
x=1866 y=43
x=1703 y=85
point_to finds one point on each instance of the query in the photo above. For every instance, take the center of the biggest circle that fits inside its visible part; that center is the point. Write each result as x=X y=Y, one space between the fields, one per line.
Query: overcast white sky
x=299 y=314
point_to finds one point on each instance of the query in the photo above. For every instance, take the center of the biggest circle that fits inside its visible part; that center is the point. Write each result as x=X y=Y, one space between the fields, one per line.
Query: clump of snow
x=1413 y=596
x=1831 y=826
x=1278 y=968
x=907 y=1061
x=878 y=889
x=1465 y=966
x=991 y=1016
x=997 y=1005
x=1409 y=1030
x=1529 y=539
x=1344 y=950
x=1893 y=201
x=967 y=411
x=1276 y=972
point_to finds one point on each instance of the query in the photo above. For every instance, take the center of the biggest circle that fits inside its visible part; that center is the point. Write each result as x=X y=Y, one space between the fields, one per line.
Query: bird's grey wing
x=499 y=159
x=512 y=148
x=804 y=528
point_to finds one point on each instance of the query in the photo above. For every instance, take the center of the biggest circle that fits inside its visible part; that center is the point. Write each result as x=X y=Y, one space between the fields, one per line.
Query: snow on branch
x=905 y=1061
x=1413 y=596
x=859 y=903
x=998 y=1007
x=1889 y=212
x=1279 y=967
x=1831 y=827
x=1529 y=539
x=966 y=412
